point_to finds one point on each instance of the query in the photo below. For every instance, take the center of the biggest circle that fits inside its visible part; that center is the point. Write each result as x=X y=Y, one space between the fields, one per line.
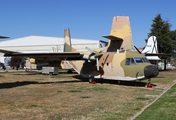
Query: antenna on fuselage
x=137 y=50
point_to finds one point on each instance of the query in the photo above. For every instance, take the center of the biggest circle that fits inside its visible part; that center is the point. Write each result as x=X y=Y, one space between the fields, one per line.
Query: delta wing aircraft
x=112 y=62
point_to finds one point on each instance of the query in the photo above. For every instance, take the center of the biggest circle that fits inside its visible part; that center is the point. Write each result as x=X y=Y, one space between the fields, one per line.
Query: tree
x=173 y=37
x=17 y=62
x=161 y=29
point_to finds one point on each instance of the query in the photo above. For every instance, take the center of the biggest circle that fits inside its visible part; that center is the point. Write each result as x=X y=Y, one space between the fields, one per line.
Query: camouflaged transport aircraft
x=113 y=62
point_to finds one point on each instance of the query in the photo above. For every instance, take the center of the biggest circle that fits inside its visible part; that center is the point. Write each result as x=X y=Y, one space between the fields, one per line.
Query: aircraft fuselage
x=117 y=66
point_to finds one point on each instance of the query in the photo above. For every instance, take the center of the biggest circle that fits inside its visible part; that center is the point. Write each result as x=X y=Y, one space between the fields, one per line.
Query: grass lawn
x=68 y=96
x=163 y=109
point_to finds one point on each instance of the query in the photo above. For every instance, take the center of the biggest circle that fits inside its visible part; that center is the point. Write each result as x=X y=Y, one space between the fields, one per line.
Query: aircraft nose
x=151 y=71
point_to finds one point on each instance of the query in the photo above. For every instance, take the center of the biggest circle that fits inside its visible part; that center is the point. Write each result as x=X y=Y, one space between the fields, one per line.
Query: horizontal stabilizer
x=158 y=54
x=114 y=43
x=112 y=37
x=1 y=37
x=153 y=58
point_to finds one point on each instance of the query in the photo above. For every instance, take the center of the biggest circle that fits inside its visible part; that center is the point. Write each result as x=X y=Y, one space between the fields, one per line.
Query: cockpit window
x=144 y=60
x=130 y=61
x=133 y=61
x=127 y=61
x=147 y=60
x=138 y=60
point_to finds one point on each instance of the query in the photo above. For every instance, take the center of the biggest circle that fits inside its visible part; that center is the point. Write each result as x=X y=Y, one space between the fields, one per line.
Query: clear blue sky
x=87 y=19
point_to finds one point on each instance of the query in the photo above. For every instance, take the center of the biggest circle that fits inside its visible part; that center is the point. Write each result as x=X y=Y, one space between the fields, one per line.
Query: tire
x=90 y=79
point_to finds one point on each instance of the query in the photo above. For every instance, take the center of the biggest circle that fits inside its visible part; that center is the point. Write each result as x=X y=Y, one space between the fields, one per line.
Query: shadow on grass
x=28 y=73
x=23 y=83
x=114 y=82
x=123 y=83
x=78 y=79
x=68 y=72
x=38 y=73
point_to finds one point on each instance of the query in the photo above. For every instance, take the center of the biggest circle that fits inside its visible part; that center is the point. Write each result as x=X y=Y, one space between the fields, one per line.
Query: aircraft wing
x=47 y=56
x=53 y=56
x=7 y=51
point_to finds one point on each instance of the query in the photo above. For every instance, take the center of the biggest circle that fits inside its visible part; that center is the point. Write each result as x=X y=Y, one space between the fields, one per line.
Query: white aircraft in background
x=151 y=48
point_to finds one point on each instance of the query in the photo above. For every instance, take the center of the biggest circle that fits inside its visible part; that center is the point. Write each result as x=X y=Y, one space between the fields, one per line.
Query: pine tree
x=173 y=37
x=161 y=29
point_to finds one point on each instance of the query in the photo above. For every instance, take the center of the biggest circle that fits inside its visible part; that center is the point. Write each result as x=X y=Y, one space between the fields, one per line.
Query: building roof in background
x=43 y=40
x=140 y=48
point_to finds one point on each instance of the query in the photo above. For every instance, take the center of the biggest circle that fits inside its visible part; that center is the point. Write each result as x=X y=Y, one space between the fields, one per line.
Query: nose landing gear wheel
x=91 y=79
x=148 y=83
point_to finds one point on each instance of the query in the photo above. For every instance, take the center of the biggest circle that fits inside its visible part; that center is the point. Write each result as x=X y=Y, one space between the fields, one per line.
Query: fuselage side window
x=132 y=62
x=147 y=60
x=127 y=61
x=138 y=60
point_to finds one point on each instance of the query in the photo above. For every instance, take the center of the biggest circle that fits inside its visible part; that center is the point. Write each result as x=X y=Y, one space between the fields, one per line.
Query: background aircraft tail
x=121 y=29
x=151 y=46
x=67 y=41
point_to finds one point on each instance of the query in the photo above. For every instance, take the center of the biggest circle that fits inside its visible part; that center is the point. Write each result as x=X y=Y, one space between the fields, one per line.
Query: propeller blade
x=89 y=49
x=103 y=50
x=96 y=55
x=97 y=64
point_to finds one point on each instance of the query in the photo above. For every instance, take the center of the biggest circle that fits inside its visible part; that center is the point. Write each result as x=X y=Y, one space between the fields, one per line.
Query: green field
x=68 y=96
x=163 y=109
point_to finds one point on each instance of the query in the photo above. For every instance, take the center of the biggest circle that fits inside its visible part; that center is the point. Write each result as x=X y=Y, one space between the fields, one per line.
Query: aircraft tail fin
x=67 y=41
x=121 y=29
x=151 y=46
